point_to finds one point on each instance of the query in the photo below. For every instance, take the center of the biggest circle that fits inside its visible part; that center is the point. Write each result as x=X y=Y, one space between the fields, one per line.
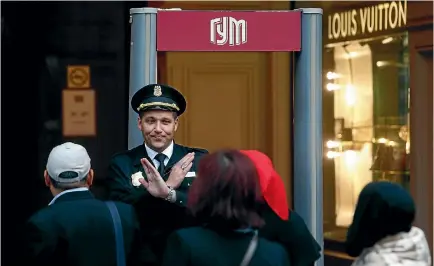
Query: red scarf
x=272 y=186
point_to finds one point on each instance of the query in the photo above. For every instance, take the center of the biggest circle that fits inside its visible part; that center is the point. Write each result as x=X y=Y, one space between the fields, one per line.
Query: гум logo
x=229 y=30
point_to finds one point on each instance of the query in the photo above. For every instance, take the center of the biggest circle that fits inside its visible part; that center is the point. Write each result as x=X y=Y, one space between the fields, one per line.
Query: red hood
x=272 y=186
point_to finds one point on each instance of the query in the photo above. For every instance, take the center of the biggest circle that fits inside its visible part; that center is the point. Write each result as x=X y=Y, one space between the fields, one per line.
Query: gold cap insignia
x=157 y=91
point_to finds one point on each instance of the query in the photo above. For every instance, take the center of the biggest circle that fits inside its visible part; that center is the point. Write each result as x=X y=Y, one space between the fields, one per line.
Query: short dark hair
x=226 y=192
x=66 y=186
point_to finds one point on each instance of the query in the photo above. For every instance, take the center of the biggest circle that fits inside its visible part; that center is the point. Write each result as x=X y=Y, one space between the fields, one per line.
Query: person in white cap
x=76 y=228
x=68 y=170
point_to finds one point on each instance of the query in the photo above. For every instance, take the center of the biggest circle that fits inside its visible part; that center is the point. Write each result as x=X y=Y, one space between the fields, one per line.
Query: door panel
x=225 y=95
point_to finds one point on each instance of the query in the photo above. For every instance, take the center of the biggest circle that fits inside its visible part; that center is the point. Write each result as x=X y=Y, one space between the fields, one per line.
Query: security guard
x=160 y=207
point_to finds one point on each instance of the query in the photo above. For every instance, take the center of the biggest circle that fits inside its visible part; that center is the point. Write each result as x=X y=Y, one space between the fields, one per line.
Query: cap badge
x=157 y=91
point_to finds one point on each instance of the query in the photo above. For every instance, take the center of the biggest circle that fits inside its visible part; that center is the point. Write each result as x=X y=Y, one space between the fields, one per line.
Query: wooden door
x=227 y=99
x=234 y=99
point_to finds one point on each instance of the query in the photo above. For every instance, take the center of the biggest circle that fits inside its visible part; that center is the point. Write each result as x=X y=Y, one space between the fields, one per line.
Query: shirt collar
x=67 y=191
x=168 y=151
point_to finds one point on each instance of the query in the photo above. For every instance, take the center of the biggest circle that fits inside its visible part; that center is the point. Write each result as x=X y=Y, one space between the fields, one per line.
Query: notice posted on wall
x=79 y=113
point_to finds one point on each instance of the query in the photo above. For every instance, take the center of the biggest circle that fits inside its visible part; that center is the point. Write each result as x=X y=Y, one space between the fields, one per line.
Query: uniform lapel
x=141 y=153
x=176 y=156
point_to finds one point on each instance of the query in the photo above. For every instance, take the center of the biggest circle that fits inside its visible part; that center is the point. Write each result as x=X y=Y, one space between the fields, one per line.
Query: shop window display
x=366 y=122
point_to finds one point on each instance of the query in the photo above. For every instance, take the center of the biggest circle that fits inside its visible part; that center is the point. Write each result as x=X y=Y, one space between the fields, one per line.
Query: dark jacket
x=158 y=216
x=293 y=234
x=199 y=246
x=77 y=230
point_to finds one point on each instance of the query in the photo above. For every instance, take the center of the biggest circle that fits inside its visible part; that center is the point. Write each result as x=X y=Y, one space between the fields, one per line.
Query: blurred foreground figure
x=381 y=233
x=281 y=224
x=76 y=229
x=224 y=201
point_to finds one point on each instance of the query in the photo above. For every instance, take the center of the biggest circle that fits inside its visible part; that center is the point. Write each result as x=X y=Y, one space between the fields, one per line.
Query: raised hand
x=155 y=183
x=179 y=170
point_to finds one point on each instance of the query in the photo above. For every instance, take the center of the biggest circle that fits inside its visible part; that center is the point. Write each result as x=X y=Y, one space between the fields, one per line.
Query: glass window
x=366 y=123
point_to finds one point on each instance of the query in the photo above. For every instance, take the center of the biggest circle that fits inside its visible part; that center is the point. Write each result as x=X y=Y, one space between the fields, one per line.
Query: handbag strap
x=250 y=250
x=119 y=236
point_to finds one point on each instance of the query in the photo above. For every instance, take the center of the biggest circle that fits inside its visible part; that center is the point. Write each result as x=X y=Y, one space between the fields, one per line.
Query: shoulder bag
x=250 y=250
x=119 y=236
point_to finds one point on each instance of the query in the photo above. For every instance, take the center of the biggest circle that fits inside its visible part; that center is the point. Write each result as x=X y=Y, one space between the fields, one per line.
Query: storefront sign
x=367 y=20
x=229 y=31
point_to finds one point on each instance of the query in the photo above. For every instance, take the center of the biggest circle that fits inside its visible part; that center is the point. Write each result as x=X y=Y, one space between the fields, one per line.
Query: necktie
x=160 y=158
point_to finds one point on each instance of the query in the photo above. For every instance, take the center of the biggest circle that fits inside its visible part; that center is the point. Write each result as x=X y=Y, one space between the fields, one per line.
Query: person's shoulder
x=272 y=248
x=126 y=155
x=189 y=230
x=125 y=209
x=196 y=150
x=270 y=244
x=295 y=217
x=41 y=217
x=123 y=205
x=275 y=222
x=191 y=233
x=298 y=225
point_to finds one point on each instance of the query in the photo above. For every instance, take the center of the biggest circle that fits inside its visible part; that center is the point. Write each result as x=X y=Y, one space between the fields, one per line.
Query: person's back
x=207 y=247
x=281 y=224
x=75 y=228
x=382 y=231
x=293 y=234
x=223 y=201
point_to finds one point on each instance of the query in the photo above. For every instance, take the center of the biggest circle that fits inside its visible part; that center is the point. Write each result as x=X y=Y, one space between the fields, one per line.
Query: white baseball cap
x=68 y=157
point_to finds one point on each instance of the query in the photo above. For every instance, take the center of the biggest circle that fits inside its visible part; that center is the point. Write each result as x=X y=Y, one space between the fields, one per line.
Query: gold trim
x=144 y=105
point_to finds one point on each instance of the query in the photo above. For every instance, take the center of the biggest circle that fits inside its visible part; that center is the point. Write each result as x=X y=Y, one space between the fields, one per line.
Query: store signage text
x=381 y=17
x=218 y=31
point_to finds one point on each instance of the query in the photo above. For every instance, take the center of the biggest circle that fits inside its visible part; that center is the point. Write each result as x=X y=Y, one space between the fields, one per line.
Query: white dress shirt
x=168 y=152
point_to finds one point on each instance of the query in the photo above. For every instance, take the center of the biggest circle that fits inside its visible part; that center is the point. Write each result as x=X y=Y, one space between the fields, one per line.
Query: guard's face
x=158 y=128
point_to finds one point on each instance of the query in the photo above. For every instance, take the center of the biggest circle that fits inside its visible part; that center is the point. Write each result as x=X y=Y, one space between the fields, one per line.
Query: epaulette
x=118 y=154
x=126 y=152
x=198 y=150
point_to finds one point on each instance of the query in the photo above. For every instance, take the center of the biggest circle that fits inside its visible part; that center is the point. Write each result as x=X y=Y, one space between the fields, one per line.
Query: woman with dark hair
x=381 y=233
x=282 y=225
x=223 y=200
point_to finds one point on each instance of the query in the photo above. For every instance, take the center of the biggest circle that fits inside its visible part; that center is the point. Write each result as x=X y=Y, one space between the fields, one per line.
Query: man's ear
x=176 y=123
x=47 y=179
x=139 y=123
x=89 y=179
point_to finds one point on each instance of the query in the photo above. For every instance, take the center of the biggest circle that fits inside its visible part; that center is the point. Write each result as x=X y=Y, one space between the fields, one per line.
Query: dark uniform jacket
x=293 y=234
x=199 y=246
x=77 y=230
x=158 y=218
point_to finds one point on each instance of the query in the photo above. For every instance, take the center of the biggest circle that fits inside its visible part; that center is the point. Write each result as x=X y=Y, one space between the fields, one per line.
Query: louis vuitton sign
x=381 y=17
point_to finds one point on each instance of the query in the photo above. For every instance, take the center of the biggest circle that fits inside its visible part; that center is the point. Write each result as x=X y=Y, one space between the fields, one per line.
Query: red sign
x=269 y=31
